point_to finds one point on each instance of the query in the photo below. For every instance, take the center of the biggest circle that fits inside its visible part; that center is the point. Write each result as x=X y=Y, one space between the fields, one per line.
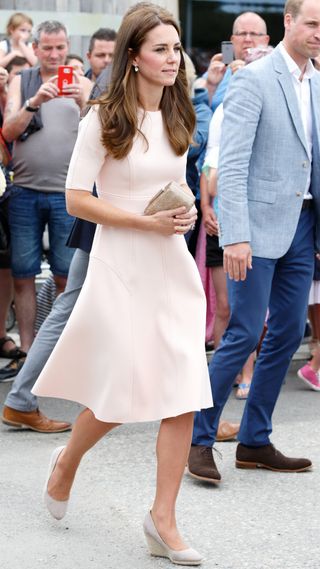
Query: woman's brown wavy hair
x=118 y=107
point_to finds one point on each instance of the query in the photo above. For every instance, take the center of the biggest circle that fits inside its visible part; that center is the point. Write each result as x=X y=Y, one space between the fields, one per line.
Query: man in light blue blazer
x=269 y=210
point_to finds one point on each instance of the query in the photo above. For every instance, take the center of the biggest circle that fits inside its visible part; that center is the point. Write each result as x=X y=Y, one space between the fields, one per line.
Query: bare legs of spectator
x=246 y=376
x=60 y=283
x=310 y=372
x=6 y=296
x=314 y=317
x=26 y=307
x=25 y=303
x=220 y=323
x=222 y=313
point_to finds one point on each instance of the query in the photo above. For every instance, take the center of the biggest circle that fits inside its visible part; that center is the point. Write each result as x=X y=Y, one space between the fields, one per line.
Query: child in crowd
x=17 y=42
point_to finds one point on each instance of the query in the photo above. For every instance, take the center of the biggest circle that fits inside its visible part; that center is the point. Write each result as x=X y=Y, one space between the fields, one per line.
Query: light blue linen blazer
x=263 y=162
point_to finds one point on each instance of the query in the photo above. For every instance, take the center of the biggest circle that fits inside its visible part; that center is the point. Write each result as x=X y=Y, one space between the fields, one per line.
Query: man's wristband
x=27 y=107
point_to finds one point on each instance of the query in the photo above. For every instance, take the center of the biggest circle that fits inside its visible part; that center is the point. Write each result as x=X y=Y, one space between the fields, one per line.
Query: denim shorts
x=29 y=212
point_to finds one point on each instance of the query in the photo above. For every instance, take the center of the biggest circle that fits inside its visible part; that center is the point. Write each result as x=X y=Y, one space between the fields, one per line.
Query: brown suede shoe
x=271 y=458
x=34 y=420
x=201 y=464
x=227 y=431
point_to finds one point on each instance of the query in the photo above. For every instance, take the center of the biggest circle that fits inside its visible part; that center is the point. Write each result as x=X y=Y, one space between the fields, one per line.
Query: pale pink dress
x=134 y=346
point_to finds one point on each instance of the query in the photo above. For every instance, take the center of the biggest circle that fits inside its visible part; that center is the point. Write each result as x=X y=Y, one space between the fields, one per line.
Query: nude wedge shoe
x=158 y=548
x=57 y=508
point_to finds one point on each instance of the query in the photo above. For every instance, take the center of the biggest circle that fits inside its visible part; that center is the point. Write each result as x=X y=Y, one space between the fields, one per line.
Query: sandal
x=11 y=370
x=243 y=390
x=14 y=354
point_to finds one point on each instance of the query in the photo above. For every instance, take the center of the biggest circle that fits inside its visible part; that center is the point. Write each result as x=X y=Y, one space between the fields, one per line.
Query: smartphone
x=65 y=77
x=227 y=52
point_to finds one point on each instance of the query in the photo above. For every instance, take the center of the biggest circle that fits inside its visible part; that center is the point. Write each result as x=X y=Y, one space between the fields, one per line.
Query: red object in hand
x=65 y=77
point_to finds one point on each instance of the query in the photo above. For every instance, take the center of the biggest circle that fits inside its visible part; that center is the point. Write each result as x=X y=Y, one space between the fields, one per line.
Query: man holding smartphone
x=249 y=30
x=43 y=126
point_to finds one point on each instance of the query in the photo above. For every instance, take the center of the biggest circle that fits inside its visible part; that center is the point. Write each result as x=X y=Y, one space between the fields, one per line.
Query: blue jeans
x=29 y=212
x=20 y=396
x=282 y=285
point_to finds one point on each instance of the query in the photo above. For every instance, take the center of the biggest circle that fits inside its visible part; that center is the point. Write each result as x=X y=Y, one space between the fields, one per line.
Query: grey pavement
x=254 y=520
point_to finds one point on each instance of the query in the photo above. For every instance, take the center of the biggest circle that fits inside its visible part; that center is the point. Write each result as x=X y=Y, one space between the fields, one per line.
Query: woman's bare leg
x=86 y=432
x=173 y=445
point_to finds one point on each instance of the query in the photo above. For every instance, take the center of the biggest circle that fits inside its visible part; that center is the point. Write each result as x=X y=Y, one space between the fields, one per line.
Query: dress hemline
x=124 y=421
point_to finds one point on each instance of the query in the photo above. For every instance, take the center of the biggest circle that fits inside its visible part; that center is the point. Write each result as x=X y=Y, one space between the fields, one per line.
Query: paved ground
x=254 y=520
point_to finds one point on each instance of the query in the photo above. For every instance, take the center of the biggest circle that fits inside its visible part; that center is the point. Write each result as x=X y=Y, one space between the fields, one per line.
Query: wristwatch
x=27 y=107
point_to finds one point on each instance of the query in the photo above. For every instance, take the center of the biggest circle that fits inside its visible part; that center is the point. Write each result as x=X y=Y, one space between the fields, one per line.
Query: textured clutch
x=172 y=196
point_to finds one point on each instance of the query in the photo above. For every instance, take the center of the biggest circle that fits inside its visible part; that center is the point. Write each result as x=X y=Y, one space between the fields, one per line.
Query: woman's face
x=159 y=57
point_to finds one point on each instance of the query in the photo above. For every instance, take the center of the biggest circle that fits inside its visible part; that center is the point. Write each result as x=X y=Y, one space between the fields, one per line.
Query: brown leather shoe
x=201 y=464
x=227 y=431
x=271 y=458
x=34 y=420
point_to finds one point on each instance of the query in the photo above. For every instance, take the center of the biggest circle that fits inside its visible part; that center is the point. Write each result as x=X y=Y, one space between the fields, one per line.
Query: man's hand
x=236 y=64
x=48 y=90
x=216 y=70
x=74 y=90
x=237 y=259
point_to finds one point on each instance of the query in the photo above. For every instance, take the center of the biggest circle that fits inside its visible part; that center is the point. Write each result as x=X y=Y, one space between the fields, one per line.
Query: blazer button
x=305 y=164
x=298 y=194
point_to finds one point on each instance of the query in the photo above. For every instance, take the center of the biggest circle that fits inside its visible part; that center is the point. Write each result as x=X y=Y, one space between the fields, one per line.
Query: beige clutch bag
x=172 y=196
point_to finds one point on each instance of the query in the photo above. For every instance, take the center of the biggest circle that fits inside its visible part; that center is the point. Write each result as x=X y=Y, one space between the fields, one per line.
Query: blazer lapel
x=285 y=81
x=315 y=176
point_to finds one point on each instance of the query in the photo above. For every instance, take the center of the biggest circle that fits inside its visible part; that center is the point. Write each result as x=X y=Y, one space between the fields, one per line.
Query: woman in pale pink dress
x=142 y=290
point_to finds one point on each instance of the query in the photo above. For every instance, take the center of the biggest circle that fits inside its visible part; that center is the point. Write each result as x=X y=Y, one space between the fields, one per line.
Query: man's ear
x=287 y=21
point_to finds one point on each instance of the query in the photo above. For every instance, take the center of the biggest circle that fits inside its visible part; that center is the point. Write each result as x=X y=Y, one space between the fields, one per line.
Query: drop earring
x=136 y=68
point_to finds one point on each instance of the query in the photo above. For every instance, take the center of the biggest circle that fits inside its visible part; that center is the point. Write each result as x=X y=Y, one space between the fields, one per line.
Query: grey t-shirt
x=41 y=161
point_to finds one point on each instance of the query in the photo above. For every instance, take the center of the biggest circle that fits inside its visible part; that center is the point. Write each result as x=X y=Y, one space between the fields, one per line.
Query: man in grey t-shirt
x=43 y=126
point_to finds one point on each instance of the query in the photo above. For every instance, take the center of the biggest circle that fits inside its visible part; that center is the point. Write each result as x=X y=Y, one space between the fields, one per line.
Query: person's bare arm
x=28 y=53
x=5 y=58
x=212 y=182
x=16 y=117
x=208 y=216
x=84 y=205
x=216 y=71
x=3 y=88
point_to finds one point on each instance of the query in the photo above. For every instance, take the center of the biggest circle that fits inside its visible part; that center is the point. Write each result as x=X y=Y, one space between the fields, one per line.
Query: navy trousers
x=282 y=286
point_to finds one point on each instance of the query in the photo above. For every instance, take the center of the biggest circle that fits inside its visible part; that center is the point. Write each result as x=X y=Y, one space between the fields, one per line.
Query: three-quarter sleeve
x=88 y=154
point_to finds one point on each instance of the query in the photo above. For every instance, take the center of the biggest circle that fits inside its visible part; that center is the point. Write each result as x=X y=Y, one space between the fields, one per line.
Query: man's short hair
x=293 y=7
x=17 y=60
x=104 y=34
x=48 y=27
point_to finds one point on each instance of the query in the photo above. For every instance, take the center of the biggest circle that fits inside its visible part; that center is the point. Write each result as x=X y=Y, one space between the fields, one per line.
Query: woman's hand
x=173 y=221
